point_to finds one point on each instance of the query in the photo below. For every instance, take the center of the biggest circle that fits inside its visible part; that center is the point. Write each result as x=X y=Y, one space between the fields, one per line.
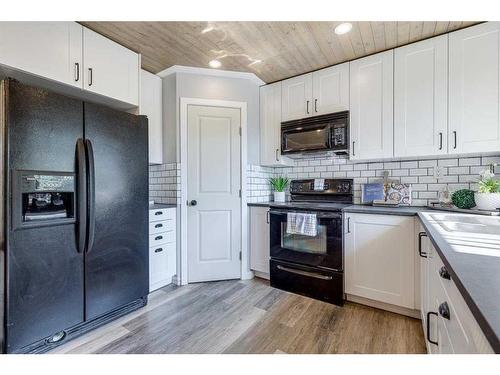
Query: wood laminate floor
x=249 y=317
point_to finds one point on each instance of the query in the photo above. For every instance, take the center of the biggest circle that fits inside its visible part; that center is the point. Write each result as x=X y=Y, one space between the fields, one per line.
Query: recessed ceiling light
x=343 y=28
x=214 y=63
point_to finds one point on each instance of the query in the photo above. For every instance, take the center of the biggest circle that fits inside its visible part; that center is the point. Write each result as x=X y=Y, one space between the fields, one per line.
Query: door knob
x=192 y=203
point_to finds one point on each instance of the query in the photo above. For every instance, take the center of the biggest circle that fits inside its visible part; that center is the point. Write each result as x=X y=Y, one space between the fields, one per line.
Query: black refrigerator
x=73 y=216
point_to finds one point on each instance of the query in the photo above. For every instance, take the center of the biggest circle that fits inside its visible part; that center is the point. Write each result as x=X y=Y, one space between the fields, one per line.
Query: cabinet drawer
x=162 y=265
x=161 y=214
x=161 y=238
x=161 y=226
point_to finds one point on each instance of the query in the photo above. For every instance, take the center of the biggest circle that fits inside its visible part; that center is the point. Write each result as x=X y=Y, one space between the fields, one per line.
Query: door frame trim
x=184 y=102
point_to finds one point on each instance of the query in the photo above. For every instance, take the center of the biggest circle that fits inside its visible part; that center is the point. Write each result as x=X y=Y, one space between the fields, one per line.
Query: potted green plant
x=279 y=184
x=488 y=196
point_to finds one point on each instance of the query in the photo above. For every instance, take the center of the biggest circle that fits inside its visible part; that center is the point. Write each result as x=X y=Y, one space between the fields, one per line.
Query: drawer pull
x=423 y=254
x=304 y=273
x=158 y=225
x=429 y=327
x=443 y=272
x=444 y=310
x=157 y=238
x=157 y=213
x=159 y=250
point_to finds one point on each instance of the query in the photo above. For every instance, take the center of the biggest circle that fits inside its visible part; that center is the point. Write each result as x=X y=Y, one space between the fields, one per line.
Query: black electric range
x=305 y=264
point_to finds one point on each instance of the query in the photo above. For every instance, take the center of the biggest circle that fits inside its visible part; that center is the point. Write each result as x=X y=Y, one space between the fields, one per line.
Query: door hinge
x=239 y=131
x=240 y=255
x=239 y=193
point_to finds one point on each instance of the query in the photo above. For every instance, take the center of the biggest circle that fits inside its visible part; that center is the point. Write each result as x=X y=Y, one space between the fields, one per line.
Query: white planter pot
x=487 y=201
x=279 y=196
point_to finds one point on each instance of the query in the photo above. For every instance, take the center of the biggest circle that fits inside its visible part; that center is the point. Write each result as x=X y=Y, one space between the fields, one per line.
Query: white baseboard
x=261 y=275
x=384 y=306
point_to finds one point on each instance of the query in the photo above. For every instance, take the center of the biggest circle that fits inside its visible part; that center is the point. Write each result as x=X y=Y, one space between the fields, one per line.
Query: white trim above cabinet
x=421 y=98
x=330 y=90
x=270 y=127
x=371 y=107
x=151 y=106
x=474 y=87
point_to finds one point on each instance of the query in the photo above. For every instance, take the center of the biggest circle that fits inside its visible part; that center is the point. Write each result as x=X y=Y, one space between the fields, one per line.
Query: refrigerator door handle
x=82 y=194
x=91 y=195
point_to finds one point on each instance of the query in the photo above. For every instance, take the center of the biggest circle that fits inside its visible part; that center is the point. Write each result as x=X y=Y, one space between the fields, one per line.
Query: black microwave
x=319 y=133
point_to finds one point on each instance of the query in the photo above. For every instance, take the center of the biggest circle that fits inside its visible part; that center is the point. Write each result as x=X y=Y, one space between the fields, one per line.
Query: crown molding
x=210 y=72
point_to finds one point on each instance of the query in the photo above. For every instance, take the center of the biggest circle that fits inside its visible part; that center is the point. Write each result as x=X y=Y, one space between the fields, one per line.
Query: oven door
x=310 y=138
x=324 y=250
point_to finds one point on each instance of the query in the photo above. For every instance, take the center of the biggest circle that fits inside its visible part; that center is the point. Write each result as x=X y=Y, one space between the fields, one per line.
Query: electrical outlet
x=439 y=172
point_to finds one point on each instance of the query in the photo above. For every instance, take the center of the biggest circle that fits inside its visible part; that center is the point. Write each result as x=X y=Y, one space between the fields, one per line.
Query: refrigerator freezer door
x=45 y=269
x=116 y=270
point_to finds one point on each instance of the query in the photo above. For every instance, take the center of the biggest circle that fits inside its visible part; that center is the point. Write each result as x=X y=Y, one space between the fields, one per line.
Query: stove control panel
x=322 y=186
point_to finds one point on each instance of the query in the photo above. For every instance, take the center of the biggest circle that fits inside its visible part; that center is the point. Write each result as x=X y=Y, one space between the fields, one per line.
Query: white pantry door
x=214 y=182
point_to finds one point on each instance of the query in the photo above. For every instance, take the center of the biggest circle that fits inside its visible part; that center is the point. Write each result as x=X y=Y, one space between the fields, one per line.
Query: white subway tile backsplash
x=470 y=161
x=448 y=162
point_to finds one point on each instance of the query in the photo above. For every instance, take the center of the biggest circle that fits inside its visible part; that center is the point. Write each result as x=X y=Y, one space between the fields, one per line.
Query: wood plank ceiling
x=271 y=50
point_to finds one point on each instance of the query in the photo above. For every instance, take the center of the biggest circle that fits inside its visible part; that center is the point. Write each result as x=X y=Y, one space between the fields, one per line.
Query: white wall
x=189 y=85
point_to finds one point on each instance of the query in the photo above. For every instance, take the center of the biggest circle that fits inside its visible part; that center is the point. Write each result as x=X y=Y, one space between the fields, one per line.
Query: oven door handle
x=319 y=216
x=304 y=273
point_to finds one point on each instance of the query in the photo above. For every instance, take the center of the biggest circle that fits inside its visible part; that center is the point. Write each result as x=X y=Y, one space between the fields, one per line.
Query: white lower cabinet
x=379 y=258
x=449 y=326
x=162 y=247
x=259 y=239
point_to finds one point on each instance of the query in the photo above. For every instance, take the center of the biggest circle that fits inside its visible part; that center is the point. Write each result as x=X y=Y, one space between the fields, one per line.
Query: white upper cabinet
x=270 y=126
x=421 y=98
x=371 y=106
x=474 y=68
x=110 y=69
x=151 y=106
x=379 y=258
x=331 y=90
x=297 y=98
x=51 y=50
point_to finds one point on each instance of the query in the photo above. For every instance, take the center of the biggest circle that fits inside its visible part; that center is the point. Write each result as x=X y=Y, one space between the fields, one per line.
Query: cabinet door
x=421 y=98
x=371 y=103
x=161 y=265
x=259 y=239
x=110 y=69
x=297 y=98
x=151 y=106
x=379 y=262
x=474 y=124
x=51 y=50
x=270 y=126
x=331 y=90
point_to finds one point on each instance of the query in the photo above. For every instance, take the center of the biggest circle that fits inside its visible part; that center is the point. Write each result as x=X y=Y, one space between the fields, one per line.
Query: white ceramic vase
x=279 y=196
x=487 y=201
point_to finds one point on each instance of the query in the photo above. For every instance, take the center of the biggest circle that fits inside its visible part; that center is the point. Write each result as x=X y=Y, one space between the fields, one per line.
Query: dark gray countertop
x=158 y=206
x=355 y=208
x=469 y=246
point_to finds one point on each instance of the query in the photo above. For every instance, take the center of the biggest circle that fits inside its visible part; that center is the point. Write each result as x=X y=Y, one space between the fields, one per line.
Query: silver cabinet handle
x=315 y=105
x=277 y=154
x=353 y=142
x=454 y=139
x=440 y=140
x=307 y=107
x=267 y=216
x=77 y=72
x=348 y=225
x=90 y=77
x=304 y=273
